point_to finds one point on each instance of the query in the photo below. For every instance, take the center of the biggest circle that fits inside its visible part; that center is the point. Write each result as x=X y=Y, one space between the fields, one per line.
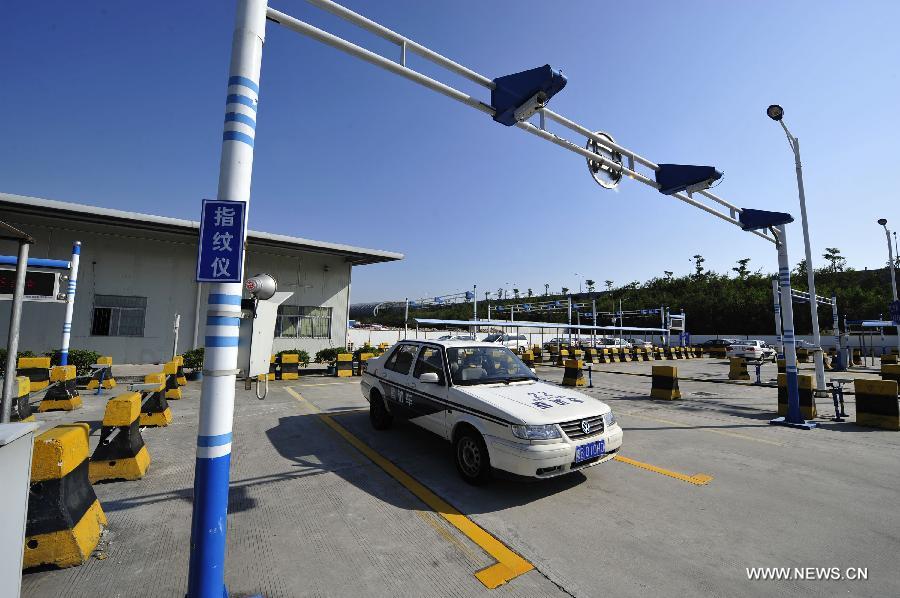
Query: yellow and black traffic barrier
x=576 y=354
x=658 y=353
x=554 y=353
x=614 y=355
x=624 y=355
x=538 y=353
x=290 y=366
x=573 y=374
x=737 y=369
x=805 y=389
x=102 y=375
x=561 y=358
x=179 y=371
x=173 y=391
x=36 y=369
x=344 y=365
x=382 y=347
x=273 y=368
x=802 y=355
x=857 y=357
x=890 y=372
x=363 y=361
x=590 y=355
x=782 y=368
x=528 y=359
x=670 y=353
x=121 y=453
x=155 y=409
x=665 y=383
x=876 y=404
x=889 y=360
x=62 y=396
x=21 y=407
x=602 y=356
x=65 y=518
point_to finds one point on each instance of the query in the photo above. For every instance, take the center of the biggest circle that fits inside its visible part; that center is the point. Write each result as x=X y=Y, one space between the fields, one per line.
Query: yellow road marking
x=325 y=384
x=698 y=479
x=509 y=564
x=685 y=425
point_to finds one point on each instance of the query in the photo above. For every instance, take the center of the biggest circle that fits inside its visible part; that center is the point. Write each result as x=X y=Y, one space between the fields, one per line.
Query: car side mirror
x=429 y=378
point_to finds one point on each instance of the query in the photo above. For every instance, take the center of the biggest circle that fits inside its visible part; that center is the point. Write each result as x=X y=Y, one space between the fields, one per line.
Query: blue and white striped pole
x=206 y=577
x=777 y=301
x=70 y=303
x=794 y=417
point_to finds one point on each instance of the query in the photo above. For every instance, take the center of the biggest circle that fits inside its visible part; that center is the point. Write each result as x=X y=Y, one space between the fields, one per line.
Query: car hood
x=536 y=402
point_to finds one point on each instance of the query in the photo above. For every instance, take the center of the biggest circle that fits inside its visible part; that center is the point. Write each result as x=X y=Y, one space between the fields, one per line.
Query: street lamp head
x=775 y=112
x=882 y=221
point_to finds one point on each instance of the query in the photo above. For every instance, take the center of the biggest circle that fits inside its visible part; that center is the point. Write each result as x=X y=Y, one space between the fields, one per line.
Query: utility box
x=257 y=334
x=16 y=441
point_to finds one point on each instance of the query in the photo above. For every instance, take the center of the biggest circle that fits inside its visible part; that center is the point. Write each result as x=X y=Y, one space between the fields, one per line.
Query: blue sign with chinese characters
x=220 y=256
x=895 y=312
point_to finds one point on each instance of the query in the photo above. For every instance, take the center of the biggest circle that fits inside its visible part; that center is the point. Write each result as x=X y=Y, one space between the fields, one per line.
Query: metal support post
x=12 y=343
x=175 y=326
x=406 y=318
x=887 y=234
x=206 y=576
x=793 y=419
x=70 y=303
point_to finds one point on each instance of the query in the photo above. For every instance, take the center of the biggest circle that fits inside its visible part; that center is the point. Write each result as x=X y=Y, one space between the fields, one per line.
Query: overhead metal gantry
x=515 y=99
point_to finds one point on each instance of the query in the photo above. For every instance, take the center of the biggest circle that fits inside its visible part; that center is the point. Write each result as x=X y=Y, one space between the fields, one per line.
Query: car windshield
x=486 y=365
x=492 y=338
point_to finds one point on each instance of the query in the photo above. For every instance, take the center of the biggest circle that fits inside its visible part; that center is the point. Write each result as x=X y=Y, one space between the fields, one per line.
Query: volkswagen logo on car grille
x=585 y=426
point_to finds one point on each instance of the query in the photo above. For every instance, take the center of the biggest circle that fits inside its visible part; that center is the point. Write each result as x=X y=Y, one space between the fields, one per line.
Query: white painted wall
x=116 y=260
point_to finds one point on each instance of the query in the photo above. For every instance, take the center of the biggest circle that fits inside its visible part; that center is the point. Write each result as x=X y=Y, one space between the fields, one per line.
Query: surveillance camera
x=261 y=286
x=531 y=106
x=882 y=221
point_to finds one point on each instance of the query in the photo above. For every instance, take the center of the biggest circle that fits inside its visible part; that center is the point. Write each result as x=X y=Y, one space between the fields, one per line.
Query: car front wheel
x=378 y=414
x=472 y=460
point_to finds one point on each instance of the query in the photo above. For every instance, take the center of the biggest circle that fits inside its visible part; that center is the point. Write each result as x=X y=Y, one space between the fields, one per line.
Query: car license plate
x=589 y=451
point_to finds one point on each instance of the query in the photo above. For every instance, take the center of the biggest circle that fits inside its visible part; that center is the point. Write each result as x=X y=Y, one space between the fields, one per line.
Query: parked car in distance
x=612 y=343
x=562 y=342
x=636 y=342
x=516 y=342
x=718 y=342
x=491 y=408
x=754 y=349
x=456 y=337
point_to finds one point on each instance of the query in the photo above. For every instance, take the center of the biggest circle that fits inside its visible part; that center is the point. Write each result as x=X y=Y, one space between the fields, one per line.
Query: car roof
x=451 y=342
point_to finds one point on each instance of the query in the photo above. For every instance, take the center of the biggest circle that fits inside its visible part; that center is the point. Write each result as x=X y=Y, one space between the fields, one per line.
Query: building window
x=116 y=315
x=297 y=321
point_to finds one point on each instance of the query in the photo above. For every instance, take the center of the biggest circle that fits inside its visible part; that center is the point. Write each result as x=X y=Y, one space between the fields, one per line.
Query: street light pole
x=776 y=113
x=887 y=234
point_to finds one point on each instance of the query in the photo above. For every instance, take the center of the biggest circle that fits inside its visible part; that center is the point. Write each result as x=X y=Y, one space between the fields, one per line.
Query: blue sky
x=121 y=105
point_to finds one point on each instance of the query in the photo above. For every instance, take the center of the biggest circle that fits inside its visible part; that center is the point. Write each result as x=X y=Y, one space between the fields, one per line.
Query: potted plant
x=193 y=362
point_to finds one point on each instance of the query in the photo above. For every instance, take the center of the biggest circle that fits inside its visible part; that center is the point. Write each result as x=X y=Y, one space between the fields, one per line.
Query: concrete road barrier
x=876 y=404
x=155 y=409
x=62 y=396
x=665 y=383
x=290 y=365
x=737 y=369
x=104 y=373
x=65 y=518
x=36 y=369
x=21 y=407
x=121 y=453
x=573 y=374
x=173 y=391
x=807 y=402
x=344 y=365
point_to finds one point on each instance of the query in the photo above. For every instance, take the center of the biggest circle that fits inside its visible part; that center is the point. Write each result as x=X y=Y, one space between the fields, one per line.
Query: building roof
x=22 y=204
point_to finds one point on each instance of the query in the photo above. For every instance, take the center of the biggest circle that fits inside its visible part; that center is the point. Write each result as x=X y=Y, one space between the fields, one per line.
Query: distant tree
x=633 y=285
x=698 y=265
x=516 y=293
x=529 y=293
x=499 y=293
x=833 y=256
x=487 y=295
x=609 y=284
x=546 y=288
x=800 y=270
x=668 y=274
x=590 y=285
x=742 y=270
x=565 y=290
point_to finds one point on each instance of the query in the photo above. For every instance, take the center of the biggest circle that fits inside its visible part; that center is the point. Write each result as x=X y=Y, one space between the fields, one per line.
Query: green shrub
x=303 y=355
x=82 y=359
x=193 y=359
x=327 y=355
x=19 y=354
x=367 y=348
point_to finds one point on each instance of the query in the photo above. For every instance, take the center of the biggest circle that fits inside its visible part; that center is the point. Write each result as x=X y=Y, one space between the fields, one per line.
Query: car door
x=430 y=399
x=396 y=381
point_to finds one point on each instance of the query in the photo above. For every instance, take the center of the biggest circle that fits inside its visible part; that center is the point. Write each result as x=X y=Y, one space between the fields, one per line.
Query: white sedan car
x=491 y=407
x=754 y=350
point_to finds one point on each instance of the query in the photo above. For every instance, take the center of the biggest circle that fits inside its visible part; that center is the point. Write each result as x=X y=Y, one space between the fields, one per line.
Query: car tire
x=379 y=416
x=471 y=456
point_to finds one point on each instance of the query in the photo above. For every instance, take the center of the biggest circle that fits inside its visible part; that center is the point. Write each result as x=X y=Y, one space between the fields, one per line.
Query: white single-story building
x=138 y=271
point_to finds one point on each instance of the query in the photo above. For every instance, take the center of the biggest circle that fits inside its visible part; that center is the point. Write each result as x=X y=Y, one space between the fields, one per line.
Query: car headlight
x=609 y=419
x=542 y=432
